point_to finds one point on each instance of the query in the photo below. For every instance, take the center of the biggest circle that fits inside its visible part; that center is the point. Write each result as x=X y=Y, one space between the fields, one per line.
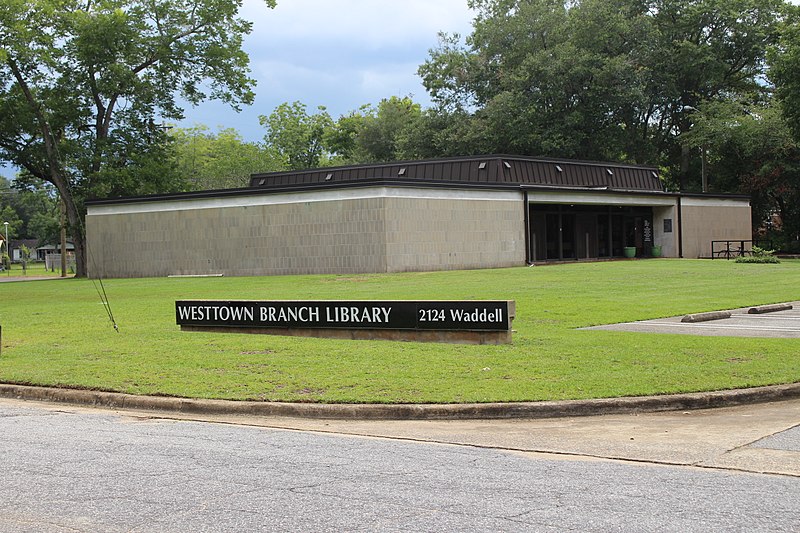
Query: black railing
x=736 y=248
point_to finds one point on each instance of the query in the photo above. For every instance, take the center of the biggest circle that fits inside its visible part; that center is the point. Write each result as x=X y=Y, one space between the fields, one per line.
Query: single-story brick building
x=455 y=213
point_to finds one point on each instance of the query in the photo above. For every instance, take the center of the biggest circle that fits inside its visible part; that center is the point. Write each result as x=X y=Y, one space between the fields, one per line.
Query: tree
x=35 y=205
x=220 y=160
x=543 y=76
x=600 y=79
x=298 y=138
x=15 y=223
x=785 y=70
x=83 y=81
x=751 y=151
x=374 y=134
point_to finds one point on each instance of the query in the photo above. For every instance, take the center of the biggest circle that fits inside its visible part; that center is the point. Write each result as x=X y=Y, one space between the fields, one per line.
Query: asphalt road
x=73 y=469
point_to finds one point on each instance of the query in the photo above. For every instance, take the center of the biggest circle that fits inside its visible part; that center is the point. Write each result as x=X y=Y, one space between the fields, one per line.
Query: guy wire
x=103 y=295
x=82 y=228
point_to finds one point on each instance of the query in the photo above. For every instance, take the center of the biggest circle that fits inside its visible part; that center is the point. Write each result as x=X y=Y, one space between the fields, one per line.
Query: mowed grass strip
x=56 y=333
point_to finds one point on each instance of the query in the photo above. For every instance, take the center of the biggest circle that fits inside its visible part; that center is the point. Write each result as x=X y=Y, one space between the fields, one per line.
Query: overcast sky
x=340 y=55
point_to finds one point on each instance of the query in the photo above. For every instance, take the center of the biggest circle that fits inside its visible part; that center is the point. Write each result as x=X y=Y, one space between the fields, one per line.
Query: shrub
x=758 y=255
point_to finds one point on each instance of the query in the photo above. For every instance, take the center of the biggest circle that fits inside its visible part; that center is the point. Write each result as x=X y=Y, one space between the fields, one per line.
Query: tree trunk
x=54 y=172
x=78 y=236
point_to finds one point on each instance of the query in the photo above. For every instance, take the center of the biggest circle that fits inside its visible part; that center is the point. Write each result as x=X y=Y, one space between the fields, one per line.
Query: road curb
x=476 y=411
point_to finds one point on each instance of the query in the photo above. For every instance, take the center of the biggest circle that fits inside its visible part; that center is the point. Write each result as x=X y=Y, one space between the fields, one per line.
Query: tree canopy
x=83 y=84
x=600 y=79
x=220 y=160
x=86 y=85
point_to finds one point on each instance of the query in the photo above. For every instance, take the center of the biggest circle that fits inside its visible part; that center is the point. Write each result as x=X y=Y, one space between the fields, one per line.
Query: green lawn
x=56 y=332
x=32 y=270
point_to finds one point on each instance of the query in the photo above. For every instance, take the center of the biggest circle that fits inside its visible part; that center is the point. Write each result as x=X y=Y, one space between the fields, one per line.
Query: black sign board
x=395 y=315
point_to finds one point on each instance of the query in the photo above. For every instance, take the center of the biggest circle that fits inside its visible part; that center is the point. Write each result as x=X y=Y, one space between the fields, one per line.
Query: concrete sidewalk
x=760 y=438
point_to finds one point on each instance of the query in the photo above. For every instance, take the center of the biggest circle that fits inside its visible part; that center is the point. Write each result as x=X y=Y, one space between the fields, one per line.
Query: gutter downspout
x=680 y=228
x=528 y=259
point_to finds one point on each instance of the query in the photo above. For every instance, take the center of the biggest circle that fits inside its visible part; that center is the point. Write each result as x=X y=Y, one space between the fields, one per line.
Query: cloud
x=340 y=54
x=372 y=23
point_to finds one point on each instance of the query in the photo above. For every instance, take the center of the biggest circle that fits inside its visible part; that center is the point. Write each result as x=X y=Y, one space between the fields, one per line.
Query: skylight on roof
x=402 y=172
x=329 y=177
x=482 y=165
x=558 y=167
x=610 y=172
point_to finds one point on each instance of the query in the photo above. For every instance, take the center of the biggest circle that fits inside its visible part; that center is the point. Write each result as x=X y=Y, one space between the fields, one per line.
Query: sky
x=340 y=55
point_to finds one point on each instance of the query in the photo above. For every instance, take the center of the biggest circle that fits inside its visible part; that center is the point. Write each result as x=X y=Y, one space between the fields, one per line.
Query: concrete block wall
x=451 y=234
x=364 y=231
x=310 y=237
x=381 y=229
x=706 y=220
x=667 y=240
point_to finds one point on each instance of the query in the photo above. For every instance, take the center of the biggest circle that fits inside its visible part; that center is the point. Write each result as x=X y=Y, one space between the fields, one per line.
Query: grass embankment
x=57 y=333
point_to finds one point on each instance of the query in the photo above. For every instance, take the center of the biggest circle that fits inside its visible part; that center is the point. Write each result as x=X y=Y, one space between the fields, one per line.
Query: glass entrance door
x=560 y=232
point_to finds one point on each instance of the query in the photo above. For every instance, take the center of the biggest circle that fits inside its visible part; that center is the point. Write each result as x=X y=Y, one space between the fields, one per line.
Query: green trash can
x=629 y=251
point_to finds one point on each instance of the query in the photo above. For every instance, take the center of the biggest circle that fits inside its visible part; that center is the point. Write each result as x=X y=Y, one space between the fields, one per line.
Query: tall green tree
x=785 y=70
x=83 y=83
x=374 y=134
x=751 y=150
x=220 y=160
x=600 y=79
x=36 y=206
x=299 y=138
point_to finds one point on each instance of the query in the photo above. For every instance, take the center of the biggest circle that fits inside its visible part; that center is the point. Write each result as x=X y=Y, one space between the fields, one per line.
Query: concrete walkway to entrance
x=779 y=324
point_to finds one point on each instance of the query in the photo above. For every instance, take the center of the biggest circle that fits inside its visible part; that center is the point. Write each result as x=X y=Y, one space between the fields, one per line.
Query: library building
x=456 y=213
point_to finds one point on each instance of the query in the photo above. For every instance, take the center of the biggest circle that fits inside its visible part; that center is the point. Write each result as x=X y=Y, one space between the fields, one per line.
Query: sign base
x=447 y=337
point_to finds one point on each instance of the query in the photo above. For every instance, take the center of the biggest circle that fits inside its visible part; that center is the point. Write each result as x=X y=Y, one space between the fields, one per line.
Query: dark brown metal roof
x=484 y=170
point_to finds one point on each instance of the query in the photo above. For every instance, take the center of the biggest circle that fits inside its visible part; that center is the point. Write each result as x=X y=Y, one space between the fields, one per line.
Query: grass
x=56 y=332
x=33 y=270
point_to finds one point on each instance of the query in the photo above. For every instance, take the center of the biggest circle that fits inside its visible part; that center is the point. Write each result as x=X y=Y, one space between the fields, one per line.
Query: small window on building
x=667 y=225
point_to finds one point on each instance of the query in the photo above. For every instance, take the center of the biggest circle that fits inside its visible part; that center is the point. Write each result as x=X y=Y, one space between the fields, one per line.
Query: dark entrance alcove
x=561 y=232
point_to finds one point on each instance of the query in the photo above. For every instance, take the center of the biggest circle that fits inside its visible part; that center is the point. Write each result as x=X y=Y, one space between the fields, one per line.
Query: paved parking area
x=779 y=324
